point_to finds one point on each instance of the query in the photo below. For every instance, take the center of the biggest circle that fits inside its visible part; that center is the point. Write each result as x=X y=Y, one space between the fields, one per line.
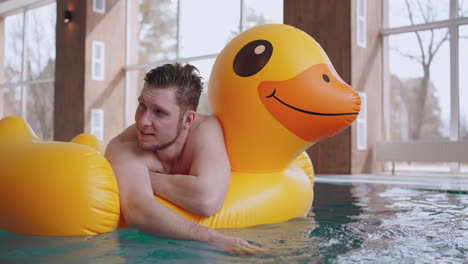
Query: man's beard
x=167 y=144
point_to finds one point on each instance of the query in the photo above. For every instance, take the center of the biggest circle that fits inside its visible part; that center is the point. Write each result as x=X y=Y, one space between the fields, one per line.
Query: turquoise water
x=350 y=223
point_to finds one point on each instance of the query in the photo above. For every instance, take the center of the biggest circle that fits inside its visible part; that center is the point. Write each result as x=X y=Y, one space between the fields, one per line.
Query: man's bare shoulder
x=124 y=147
x=207 y=123
x=207 y=131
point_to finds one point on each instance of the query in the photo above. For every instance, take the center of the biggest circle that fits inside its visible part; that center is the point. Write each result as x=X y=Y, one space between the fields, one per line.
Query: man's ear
x=189 y=118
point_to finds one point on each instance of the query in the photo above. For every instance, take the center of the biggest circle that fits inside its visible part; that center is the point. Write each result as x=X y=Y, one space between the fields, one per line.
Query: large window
x=420 y=85
x=27 y=84
x=426 y=47
x=162 y=31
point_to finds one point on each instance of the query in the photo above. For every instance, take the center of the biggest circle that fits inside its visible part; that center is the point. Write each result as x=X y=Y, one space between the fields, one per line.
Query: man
x=177 y=154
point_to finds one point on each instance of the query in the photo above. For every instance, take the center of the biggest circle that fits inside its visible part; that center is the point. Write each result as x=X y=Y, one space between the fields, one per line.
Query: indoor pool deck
x=449 y=182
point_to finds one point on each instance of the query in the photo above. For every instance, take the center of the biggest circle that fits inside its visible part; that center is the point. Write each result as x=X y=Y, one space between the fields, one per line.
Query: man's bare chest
x=177 y=166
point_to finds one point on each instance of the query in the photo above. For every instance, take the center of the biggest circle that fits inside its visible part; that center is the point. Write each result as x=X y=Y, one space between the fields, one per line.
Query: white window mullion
x=242 y=16
x=454 y=82
x=422 y=27
x=24 y=67
x=178 y=30
x=127 y=120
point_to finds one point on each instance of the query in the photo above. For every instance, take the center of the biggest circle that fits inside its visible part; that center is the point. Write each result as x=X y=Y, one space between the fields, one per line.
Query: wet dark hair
x=186 y=80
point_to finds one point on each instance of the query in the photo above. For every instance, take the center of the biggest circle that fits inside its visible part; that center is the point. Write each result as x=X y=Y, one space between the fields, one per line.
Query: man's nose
x=145 y=120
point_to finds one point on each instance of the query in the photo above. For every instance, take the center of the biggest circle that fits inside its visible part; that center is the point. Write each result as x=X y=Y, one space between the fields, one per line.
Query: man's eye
x=141 y=105
x=158 y=112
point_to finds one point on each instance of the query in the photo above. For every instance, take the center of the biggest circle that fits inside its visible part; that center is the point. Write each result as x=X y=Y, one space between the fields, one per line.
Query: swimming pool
x=354 y=220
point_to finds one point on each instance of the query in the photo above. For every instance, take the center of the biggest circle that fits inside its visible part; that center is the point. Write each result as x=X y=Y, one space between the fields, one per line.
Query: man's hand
x=189 y=192
x=234 y=245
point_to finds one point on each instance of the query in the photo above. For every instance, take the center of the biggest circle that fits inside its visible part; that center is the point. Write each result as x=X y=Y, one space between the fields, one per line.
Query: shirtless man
x=177 y=154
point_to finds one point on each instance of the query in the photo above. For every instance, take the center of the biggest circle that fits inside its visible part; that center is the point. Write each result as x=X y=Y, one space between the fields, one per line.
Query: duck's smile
x=335 y=104
x=305 y=111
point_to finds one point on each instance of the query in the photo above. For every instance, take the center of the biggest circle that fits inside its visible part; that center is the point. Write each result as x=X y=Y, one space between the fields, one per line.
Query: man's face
x=157 y=118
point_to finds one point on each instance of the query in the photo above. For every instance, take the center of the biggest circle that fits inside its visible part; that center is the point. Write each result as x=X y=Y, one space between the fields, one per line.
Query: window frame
x=452 y=24
x=24 y=83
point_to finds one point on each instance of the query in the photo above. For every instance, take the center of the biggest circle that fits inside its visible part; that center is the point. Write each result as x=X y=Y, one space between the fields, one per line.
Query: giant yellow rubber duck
x=275 y=92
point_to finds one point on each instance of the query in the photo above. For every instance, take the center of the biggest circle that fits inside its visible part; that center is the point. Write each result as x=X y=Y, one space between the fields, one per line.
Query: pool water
x=349 y=223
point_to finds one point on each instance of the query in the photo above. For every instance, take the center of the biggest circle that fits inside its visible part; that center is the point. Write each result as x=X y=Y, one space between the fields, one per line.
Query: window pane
x=204 y=66
x=10 y=101
x=40 y=31
x=202 y=32
x=13 y=48
x=156 y=30
x=464 y=167
x=413 y=12
x=134 y=86
x=420 y=85
x=463 y=59
x=258 y=12
x=40 y=109
x=463 y=8
x=135 y=82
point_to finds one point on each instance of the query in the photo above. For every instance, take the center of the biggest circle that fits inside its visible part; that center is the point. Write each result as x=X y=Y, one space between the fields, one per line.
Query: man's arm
x=204 y=190
x=137 y=202
x=142 y=211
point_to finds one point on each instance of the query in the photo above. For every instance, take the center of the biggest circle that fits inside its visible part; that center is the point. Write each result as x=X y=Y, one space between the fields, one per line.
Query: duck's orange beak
x=313 y=105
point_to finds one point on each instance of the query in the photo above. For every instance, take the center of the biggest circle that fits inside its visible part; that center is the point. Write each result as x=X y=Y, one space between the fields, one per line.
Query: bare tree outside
x=12 y=64
x=39 y=65
x=416 y=97
x=403 y=94
x=157 y=31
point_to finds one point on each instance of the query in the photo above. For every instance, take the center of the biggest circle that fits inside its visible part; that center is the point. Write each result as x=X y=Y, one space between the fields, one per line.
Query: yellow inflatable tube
x=275 y=92
x=262 y=198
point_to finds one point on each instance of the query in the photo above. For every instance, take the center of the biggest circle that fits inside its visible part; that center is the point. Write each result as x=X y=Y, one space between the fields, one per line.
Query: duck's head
x=276 y=93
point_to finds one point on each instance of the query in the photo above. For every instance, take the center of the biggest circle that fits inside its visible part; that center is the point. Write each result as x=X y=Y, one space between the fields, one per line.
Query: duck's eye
x=252 y=58
x=326 y=78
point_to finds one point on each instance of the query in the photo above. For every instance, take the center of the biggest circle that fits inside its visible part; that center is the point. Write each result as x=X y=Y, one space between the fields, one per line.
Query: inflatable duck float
x=54 y=188
x=275 y=92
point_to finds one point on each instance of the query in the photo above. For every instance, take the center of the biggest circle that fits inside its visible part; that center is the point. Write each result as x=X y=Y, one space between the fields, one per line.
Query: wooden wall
x=69 y=70
x=75 y=92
